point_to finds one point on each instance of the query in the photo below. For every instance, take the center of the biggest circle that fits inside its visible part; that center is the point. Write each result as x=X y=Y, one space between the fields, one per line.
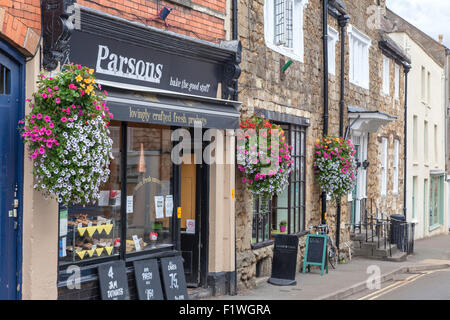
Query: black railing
x=384 y=230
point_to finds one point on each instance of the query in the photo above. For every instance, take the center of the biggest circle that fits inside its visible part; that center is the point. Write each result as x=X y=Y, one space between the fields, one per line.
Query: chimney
x=441 y=39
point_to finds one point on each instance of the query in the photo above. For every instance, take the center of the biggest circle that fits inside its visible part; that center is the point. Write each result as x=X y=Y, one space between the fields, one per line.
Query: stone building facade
x=299 y=92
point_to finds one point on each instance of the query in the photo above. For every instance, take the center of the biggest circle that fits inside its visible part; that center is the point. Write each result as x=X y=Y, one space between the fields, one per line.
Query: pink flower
x=21 y=121
x=27 y=100
x=55 y=88
x=44 y=95
x=49 y=89
x=47 y=118
x=33 y=116
x=72 y=86
x=70 y=119
x=82 y=92
x=48 y=132
x=39 y=116
x=49 y=144
x=34 y=155
x=98 y=107
x=58 y=100
x=41 y=150
x=51 y=125
x=63 y=119
x=79 y=67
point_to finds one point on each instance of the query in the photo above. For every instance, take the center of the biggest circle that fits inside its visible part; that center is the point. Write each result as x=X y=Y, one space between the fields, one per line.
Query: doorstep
x=199 y=293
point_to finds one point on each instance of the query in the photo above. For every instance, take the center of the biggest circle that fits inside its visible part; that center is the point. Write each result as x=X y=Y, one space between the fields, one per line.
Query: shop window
x=285 y=212
x=283 y=27
x=149 y=174
x=359 y=57
x=89 y=232
x=143 y=221
x=436 y=201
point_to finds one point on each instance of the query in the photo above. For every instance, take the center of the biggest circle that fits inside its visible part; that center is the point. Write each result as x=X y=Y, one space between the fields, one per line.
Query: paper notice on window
x=190 y=226
x=129 y=204
x=103 y=201
x=159 y=207
x=63 y=223
x=136 y=243
x=169 y=205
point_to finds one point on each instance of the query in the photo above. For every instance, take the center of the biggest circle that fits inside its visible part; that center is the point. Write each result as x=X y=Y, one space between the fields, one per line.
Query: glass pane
x=149 y=192
x=282 y=218
x=93 y=231
x=282 y=198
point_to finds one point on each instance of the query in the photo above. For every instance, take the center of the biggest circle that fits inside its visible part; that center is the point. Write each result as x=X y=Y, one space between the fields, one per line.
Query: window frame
x=384 y=156
x=333 y=38
x=396 y=81
x=300 y=219
x=297 y=50
x=386 y=75
x=396 y=166
x=359 y=65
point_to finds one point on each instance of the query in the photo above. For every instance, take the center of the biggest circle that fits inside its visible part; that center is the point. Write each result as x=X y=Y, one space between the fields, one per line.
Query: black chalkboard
x=148 y=282
x=173 y=278
x=284 y=263
x=315 y=253
x=113 y=281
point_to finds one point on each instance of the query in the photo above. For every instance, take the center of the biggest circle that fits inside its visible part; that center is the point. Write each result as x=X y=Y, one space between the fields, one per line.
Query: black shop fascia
x=157 y=81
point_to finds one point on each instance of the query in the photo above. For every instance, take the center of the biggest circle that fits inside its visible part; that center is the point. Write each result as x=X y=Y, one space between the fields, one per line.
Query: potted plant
x=283 y=225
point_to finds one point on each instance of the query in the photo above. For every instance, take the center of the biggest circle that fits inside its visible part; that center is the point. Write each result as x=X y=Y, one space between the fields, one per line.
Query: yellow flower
x=83 y=85
x=89 y=88
x=91 y=71
x=79 y=78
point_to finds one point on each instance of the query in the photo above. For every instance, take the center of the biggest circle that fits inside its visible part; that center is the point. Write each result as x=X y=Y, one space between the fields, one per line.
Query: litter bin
x=397 y=227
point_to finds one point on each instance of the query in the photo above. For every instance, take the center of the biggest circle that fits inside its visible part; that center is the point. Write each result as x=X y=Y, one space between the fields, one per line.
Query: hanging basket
x=264 y=156
x=67 y=136
x=334 y=166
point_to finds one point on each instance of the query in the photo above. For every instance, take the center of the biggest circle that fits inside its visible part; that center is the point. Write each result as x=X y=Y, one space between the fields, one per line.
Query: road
x=426 y=285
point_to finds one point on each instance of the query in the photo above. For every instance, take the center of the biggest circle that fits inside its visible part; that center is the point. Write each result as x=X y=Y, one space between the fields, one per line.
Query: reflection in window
x=149 y=193
x=5 y=80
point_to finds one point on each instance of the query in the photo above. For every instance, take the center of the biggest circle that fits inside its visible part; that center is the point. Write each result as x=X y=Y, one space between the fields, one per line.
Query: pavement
x=351 y=278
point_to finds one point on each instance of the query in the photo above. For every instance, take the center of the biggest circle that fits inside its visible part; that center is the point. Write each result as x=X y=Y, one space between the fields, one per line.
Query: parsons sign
x=121 y=63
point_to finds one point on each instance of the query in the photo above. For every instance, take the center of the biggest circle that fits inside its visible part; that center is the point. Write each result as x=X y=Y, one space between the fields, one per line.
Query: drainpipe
x=235 y=36
x=406 y=69
x=325 y=92
x=343 y=20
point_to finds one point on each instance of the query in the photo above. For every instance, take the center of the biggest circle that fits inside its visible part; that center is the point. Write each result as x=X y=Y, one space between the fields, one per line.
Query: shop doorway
x=11 y=97
x=193 y=223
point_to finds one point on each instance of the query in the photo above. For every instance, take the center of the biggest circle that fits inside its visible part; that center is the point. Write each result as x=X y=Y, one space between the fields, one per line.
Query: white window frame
x=297 y=50
x=333 y=38
x=386 y=75
x=397 y=82
x=384 y=150
x=359 y=57
x=396 y=163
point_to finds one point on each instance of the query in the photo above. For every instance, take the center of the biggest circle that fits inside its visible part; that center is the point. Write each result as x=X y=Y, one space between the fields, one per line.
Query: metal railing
x=384 y=229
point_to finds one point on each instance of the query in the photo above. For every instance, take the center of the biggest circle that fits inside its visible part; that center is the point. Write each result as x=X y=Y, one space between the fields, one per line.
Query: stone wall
x=301 y=93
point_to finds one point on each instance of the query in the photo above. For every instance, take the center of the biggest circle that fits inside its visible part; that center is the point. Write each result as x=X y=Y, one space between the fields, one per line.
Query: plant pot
x=282 y=229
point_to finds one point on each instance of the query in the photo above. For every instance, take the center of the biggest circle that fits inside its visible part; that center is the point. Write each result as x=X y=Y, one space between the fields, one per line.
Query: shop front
x=165 y=196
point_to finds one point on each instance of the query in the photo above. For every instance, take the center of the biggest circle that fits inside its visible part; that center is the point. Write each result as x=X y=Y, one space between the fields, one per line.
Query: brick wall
x=20 y=24
x=20 y=20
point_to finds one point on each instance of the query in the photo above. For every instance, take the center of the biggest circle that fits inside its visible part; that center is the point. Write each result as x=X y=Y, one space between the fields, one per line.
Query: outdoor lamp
x=164 y=13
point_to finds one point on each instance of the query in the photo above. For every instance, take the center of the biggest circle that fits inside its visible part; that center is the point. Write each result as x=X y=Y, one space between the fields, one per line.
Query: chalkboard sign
x=113 y=281
x=148 y=281
x=173 y=278
x=315 y=253
x=284 y=263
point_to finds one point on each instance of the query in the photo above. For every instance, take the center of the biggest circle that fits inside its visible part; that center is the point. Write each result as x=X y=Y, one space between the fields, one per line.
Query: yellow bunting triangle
x=99 y=251
x=100 y=228
x=91 y=230
x=108 y=228
x=81 y=254
x=81 y=231
x=109 y=250
x=90 y=252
